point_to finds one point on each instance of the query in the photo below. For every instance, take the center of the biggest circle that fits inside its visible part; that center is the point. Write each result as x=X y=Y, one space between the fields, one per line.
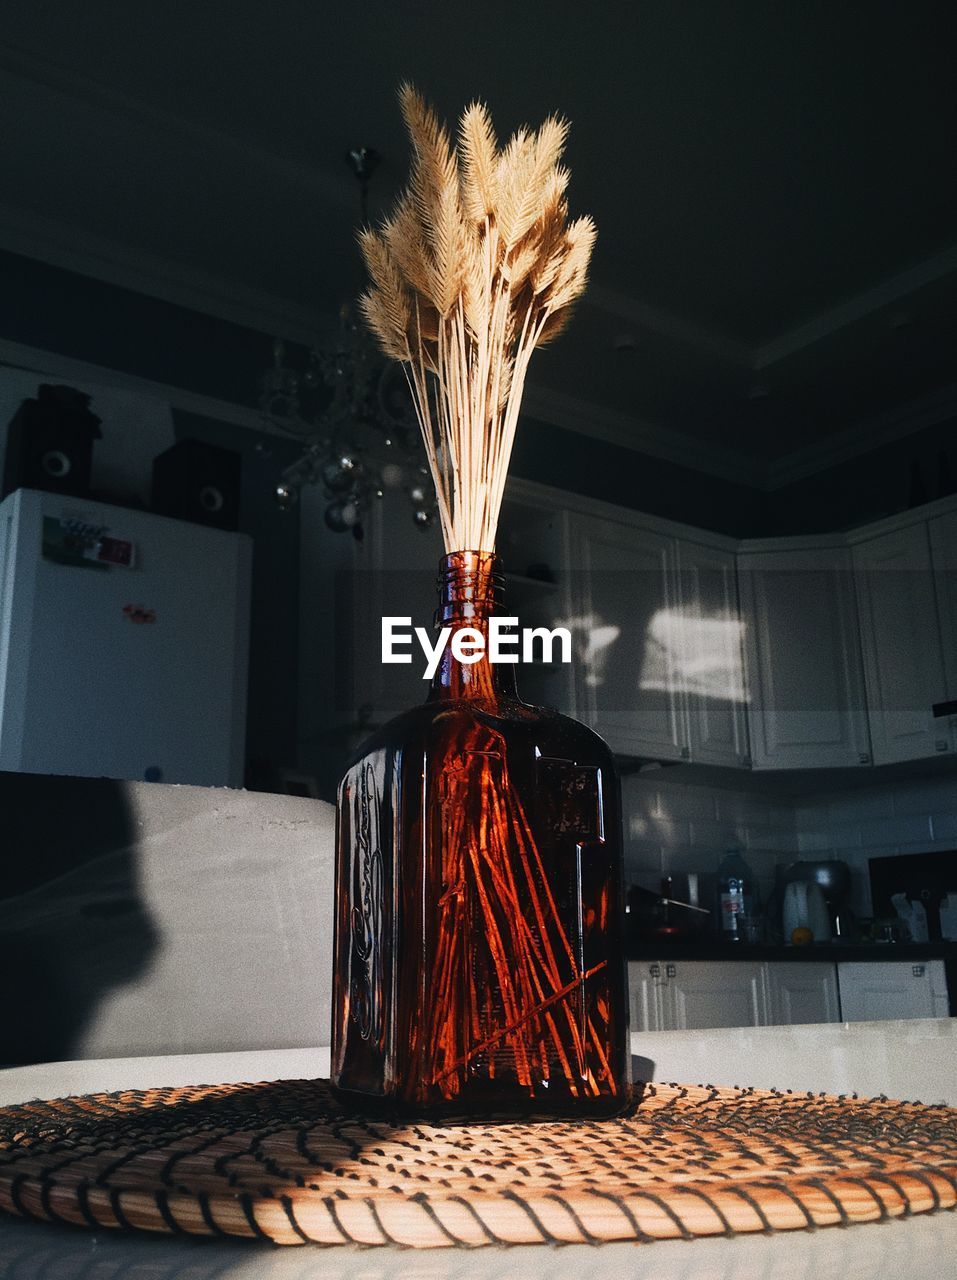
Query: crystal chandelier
x=353 y=411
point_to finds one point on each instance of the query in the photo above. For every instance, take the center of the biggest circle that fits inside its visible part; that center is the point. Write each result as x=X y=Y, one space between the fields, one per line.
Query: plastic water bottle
x=735 y=893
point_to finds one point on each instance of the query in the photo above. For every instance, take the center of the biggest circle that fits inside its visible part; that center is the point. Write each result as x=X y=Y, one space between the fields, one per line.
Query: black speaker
x=198 y=482
x=50 y=443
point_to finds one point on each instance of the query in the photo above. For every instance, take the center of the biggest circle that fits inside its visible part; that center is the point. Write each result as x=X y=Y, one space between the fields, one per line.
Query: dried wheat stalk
x=476 y=266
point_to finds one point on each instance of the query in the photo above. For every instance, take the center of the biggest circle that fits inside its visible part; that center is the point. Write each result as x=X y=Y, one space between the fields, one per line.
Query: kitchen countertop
x=792 y=1057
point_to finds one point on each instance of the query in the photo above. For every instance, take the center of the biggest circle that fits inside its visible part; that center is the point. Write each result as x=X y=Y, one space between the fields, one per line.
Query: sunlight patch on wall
x=696 y=655
x=592 y=641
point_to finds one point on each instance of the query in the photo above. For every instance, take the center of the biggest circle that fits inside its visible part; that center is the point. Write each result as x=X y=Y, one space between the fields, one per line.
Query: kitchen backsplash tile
x=694 y=803
x=770 y=843
x=926 y=795
x=711 y=834
x=814 y=841
x=687 y=858
x=740 y=806
x=674 y=826
x=855 y=806
x=677 y=826
x=944 y=828
x=914 y=829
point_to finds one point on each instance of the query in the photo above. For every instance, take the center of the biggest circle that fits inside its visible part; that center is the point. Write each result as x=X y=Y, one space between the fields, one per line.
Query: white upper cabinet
x=532 y=543
x=625 y=635
x=943 y=545
x=394 y=574
x=782 y=654
x=710 y=666
x=806 y=698
x=902 y=644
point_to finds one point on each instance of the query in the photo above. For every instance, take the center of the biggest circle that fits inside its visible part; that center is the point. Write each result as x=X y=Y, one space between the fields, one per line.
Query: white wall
x=136 y=427
x=673 y=826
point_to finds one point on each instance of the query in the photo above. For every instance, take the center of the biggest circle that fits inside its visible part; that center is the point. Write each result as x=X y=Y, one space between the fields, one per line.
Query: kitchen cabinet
x=943 y=546
x=806 y=694
x=393 y=574
x=902 y=644
x=710 y=668
x=625 y=637
x=722 y=993
x=799 y=993
x=532 y=542
x=878 y=990
x=775 y=654
x=645 y=979
x=683 y=995
x=659 y=663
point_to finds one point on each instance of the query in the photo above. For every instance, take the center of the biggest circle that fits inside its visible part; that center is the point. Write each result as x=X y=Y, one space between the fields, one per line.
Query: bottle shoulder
x=549 y=731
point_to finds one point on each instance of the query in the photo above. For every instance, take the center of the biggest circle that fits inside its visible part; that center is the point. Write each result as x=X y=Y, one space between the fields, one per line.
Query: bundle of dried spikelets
x=476 y=266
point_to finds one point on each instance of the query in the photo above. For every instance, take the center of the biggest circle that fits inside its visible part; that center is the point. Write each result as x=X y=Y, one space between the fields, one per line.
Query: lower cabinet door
x=644 y=994
x=723 y=993
x=800 y=992
x=879 y=990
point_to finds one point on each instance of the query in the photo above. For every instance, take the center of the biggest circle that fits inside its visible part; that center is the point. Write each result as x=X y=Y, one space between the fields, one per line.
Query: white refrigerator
x=124 y=641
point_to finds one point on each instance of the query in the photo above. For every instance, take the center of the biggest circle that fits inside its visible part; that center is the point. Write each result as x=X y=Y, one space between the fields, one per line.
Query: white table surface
x=920 y=1248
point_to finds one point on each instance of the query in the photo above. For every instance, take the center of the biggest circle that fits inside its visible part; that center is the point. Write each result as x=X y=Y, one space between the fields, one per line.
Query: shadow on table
x=72 y=922
x=642 y=1069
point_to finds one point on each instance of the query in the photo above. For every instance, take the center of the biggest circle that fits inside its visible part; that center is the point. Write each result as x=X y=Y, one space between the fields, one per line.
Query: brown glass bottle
x=479 y=957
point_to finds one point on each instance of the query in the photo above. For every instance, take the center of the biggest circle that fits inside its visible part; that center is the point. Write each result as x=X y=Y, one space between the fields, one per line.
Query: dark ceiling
x=774 y=185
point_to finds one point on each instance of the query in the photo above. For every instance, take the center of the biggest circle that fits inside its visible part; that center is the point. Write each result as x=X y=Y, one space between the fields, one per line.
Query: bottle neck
x=471 y=590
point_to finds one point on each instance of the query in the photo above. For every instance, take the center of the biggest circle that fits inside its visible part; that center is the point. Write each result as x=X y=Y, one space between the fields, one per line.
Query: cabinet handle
x=941 y=744
x=864 y=758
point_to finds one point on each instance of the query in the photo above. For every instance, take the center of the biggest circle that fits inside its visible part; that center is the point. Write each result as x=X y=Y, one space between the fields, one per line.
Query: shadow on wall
x=72 y=923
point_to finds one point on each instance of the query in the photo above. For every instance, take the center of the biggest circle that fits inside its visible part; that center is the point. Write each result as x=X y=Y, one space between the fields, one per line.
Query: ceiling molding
x=654 y=440
x=49 y=364
x=52 y=242
x=323 y=184
x=762 y=356
x=49 y=241
x=863 y=438
x=888 y=291
x=684 y=332
x=538 y=402
x=552 y=407
x=55 y=243
x=628 y=432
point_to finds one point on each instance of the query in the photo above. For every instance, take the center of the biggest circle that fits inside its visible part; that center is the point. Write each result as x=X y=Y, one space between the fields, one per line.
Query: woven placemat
x=285 y=1162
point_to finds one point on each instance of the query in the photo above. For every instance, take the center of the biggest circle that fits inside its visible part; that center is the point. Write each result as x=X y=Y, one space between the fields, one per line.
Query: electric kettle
x=804 y=908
